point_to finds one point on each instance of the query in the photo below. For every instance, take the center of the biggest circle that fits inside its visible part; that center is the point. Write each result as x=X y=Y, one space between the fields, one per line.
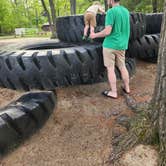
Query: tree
x=105 y=4
x=47 y=13
x=154 y=4
x=146 y=6
x=49 y=17
x=73 y=7
x=53 y=14
x=150 y=126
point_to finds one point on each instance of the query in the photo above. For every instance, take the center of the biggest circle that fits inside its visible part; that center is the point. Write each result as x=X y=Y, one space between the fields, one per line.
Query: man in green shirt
x=116 y=33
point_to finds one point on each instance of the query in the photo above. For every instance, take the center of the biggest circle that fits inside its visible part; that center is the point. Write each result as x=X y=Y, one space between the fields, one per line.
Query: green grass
x=7 y=37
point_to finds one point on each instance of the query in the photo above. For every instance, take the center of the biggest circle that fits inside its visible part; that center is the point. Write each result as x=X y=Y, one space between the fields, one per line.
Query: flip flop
x=124 y=90
x=105 y=93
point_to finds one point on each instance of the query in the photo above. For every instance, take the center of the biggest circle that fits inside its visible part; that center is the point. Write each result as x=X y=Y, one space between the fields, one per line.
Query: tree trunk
x=15 y=1
x=53 y=14
x=27 y=12
x=58 y=12
x=48 y=16
x=154 y=4
x=106 y=6
x=159 y=96
x=37 y=19
x=0 y=29
x=73 y=7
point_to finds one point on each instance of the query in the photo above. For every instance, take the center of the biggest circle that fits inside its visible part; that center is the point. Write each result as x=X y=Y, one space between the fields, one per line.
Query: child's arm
x=101 y=10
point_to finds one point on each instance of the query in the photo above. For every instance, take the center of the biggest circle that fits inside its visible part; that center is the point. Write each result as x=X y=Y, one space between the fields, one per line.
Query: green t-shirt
x=118 y=18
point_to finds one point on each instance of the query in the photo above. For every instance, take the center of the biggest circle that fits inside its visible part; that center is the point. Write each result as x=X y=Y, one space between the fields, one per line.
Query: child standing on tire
x=90 y=18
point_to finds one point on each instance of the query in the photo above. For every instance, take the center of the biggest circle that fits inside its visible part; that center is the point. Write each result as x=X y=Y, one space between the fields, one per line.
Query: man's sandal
x=105 y=93
x=124 y=90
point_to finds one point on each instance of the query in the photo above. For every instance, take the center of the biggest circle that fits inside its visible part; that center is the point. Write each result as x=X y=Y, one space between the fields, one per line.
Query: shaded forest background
x=31 y=14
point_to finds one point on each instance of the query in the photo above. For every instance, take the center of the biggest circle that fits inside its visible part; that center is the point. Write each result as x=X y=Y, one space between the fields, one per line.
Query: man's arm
x=103 y=33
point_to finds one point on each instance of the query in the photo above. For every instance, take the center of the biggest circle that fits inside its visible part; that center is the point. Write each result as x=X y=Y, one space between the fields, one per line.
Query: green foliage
x=30 y=31
x=22 y=14
x=62 y=7
x=144 y=6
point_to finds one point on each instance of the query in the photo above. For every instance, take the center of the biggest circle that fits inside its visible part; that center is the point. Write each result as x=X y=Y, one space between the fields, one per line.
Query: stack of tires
x=50 y=64
x=147 y=47
x=71 y=61
x=70 y=30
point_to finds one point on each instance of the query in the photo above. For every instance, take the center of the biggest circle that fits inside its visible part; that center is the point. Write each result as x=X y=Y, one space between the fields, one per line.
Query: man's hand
x=92 y=35
x=107 y=31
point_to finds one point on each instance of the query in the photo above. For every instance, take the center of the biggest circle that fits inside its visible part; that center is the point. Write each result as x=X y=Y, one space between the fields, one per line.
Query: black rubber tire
x=48 y=69
x=146 y=48
x=23 y=117
x=53 y=44
x=48 y=44
x=137 y=26
x=129 y=53
x=130 y=65
x=75 y=26
x=153 y=23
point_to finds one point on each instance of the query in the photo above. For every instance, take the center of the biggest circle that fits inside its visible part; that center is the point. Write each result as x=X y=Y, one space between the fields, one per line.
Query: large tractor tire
x=33 y=68
x=49 y=65
x=146 y=48
x=23 y=117
x=153 y=23
x=70 y=28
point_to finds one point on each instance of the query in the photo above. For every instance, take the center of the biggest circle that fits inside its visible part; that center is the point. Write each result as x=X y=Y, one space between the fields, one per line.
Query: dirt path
x=79 y=131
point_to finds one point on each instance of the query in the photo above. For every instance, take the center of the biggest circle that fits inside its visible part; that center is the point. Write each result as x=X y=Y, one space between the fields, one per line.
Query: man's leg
x=109 y=63
x=112 y=81
x=120 y=60
x=125 y=78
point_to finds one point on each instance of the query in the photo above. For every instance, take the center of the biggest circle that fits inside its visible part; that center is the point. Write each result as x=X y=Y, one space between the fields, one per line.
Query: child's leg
x=92 y=29
x=86 y=22
x=86 y=30
x=92 y=23
x=92 y=26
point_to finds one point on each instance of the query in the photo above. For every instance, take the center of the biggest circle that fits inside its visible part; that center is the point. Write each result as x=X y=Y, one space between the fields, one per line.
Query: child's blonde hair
x=96 y=3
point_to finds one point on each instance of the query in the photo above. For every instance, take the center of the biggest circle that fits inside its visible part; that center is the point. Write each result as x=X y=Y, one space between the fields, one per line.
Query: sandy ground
x=79 y=132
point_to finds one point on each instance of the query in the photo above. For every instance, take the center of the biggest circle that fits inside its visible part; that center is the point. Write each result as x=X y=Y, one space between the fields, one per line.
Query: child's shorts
x=90 y=19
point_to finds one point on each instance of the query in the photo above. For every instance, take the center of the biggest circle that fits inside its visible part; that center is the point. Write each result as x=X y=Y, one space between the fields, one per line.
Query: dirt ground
x=79 y=132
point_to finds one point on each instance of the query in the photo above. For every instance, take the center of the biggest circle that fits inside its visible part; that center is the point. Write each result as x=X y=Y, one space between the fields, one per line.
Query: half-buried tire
x=23 y=117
